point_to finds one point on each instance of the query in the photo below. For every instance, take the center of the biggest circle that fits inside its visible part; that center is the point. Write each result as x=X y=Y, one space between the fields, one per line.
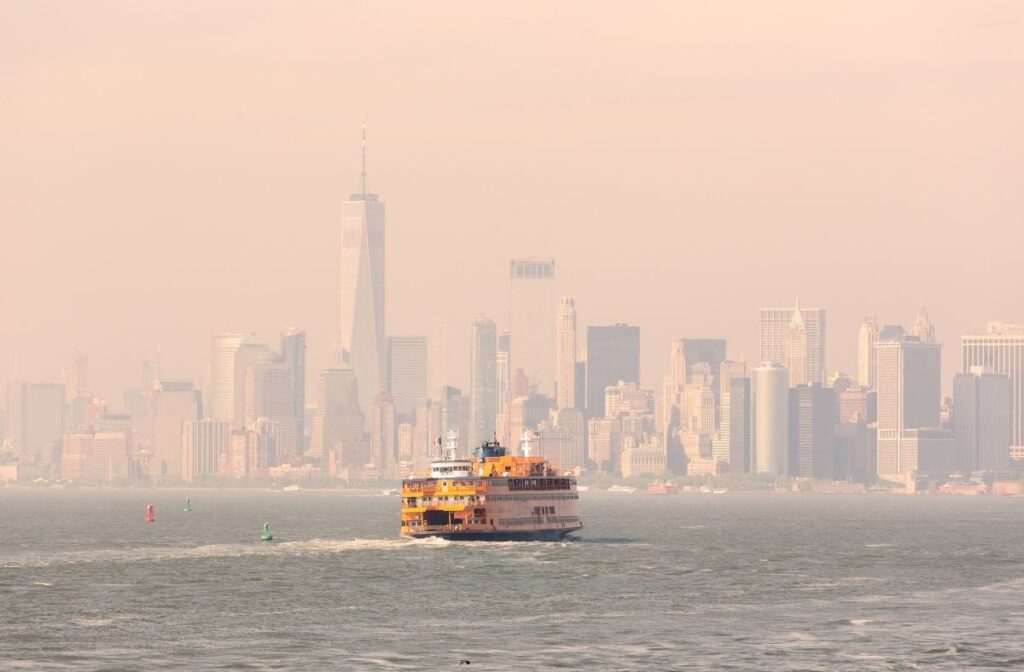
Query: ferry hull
x=524 y=535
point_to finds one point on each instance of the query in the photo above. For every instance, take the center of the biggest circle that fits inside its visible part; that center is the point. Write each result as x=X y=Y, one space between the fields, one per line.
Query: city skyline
x=206 y=194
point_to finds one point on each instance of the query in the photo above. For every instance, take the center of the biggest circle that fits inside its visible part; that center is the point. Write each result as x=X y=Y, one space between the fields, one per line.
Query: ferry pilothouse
x=491 y=496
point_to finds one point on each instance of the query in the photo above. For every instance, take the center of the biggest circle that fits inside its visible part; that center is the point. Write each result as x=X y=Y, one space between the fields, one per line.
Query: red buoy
x=149 y=514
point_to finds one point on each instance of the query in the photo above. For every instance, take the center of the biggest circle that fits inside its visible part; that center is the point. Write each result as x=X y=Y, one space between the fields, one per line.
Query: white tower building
x=771 y=418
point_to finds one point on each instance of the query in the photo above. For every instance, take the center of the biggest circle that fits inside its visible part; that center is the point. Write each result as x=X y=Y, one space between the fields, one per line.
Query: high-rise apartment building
x=613 y=355
x=363 y=289
x=172 y=404
x=532 y=305
x=483 y=381
x=565 y=353
x=1001 y=350
x=807 y=341
x=981 y=402
x=908 y=399
x=407 y=373
x=770 y=383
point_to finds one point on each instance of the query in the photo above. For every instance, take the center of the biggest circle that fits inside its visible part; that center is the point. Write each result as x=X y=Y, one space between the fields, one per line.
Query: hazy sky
x=169 y=170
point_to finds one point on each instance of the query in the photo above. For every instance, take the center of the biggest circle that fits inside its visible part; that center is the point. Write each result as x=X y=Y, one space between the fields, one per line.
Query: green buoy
x=266 y=536
x=188 y=505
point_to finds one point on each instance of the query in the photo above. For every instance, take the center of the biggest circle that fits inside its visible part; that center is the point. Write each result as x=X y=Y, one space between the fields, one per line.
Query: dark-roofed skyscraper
x=613 y=354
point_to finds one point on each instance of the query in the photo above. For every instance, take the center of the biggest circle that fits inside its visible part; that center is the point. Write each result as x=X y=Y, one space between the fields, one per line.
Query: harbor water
x=694 y=581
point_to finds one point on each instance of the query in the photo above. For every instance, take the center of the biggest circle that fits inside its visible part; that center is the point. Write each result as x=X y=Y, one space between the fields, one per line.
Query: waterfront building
x=812 y=420
x=908 y=398
x=172 y=404
x=770 y=388
x=982 y=403
x=1001 y=350
x=205 y=448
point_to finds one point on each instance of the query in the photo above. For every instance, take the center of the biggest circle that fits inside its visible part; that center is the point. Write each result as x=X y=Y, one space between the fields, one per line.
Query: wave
x=314 y=546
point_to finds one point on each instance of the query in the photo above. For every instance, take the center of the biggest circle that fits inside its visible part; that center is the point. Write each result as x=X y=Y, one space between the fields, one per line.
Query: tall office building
x=172 y=404
x=565 y=353
x=737 y=424
x=437 y=363
x=532 y=305
x=270 y=393
x=797 y=347
x=770 y=383
x=338 y=420
x=383 y=432
x=923 y=328
x=407 y=373
x=222 y=376
x=777 y=338
x=363 y=289
x=293 y=353
x=483 y=381
x=908 y=399
x=981 y=400
x=866 y=357
x=249 y=351
x=613 y=355
x=812 y=421
x=710 y=351
x=1001 y=350
x=503 y=375
x=205 y=447
x=42 y=423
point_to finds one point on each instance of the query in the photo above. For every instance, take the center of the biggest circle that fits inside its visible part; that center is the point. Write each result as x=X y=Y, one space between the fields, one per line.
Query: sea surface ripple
x=722 y=582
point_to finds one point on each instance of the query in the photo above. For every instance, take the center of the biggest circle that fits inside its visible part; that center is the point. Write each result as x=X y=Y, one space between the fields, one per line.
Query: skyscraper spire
x=363 y=173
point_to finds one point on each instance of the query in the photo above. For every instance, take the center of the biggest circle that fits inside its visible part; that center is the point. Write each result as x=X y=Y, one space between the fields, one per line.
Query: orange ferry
x=493 y=496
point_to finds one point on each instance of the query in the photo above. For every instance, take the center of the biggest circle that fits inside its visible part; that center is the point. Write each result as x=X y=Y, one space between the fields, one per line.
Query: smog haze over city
x=365 y=335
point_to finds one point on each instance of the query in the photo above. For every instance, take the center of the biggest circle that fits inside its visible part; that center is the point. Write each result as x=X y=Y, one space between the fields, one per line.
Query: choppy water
x=735 y=581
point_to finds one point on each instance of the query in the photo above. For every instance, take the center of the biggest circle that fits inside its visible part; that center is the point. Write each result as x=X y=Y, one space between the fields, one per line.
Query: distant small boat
x=663 y=488
x=719 y=491
x=622 y=489
x=149 y=514
x=388 y=492
x=266 y=535
x=291 y=488
x=582 y=488
x=188 y=505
